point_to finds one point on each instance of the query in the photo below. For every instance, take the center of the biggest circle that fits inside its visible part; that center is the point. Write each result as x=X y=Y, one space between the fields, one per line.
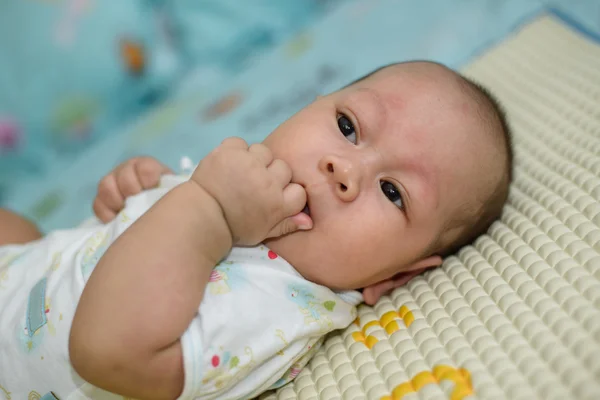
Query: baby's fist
x=254 y=191
x=126 y=180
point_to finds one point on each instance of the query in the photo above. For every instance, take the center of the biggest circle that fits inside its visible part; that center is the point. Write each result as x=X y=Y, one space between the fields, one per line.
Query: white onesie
x=257 y=326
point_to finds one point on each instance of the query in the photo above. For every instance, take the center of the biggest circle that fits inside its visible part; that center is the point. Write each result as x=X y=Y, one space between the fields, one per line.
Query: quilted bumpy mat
x=516 y=315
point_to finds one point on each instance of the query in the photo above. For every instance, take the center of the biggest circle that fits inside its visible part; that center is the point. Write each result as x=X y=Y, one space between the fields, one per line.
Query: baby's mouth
x=306 y=210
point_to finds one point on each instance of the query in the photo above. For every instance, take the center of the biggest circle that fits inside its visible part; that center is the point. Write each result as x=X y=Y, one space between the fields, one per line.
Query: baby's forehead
x=417 y=82
x=414 y=71
x=436 y=98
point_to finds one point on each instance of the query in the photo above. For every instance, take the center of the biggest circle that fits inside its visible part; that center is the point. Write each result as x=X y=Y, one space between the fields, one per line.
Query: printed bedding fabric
x=73 y=71
x=517 y=315
x=353 y=38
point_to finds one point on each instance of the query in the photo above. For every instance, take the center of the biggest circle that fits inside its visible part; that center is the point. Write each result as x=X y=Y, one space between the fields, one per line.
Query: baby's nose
x=343 y=174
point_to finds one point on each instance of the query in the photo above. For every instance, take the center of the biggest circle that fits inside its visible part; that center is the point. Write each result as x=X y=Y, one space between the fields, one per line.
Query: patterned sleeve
x=258 y=325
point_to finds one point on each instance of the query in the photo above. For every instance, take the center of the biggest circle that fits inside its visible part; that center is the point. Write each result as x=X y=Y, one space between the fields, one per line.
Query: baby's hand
x=253 y=190
x=128 y=179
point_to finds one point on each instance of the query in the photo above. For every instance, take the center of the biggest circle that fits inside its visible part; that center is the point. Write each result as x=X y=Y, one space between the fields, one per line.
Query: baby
x=224 y=282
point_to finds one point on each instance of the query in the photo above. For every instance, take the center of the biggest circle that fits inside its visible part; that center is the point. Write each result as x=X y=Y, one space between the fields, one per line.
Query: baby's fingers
x=139 y=174
x=294 y=198
x=262 y=153
x=149 y=171
x=102 y=211
x=128 y=181
x=235 y=143
x=282 y=174
x=109 y=200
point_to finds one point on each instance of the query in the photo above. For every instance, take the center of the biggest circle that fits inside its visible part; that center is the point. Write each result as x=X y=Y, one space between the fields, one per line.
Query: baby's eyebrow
x=426 y=186
x=370 y=109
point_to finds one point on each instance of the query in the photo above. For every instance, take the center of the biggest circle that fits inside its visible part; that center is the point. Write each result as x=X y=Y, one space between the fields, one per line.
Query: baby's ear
x=372 y=294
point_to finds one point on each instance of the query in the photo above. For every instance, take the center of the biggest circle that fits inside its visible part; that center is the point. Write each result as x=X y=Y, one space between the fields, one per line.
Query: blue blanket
x=206 y=106
x=73 y=71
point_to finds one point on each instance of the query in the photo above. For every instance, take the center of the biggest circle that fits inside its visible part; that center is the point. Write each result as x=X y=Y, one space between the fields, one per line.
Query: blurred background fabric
x=71 y=71
x=85 y=84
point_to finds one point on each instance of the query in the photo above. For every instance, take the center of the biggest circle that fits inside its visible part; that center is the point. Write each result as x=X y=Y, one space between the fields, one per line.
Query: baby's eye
x=347 y=128
x=392 y=193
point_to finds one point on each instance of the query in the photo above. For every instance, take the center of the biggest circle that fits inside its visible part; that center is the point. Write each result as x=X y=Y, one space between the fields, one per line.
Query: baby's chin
x=284 y=245
x=320 y=257
x=303 y=262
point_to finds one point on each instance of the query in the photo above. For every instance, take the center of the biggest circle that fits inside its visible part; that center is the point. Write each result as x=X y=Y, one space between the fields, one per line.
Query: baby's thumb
x=299 y=221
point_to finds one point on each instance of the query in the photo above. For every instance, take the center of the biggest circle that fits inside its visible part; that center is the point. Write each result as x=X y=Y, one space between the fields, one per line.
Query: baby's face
x=385 y=164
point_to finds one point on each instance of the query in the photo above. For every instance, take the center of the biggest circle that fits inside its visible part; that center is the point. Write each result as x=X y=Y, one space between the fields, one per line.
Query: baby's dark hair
x=493 y=117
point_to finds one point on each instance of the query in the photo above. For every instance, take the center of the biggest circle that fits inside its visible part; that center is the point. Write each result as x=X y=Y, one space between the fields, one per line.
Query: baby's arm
x=15 y=229
x=143 y=294
x=148 y=286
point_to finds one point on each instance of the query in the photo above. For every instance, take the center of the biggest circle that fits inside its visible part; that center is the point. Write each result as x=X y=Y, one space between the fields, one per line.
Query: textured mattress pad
x=516 y=315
